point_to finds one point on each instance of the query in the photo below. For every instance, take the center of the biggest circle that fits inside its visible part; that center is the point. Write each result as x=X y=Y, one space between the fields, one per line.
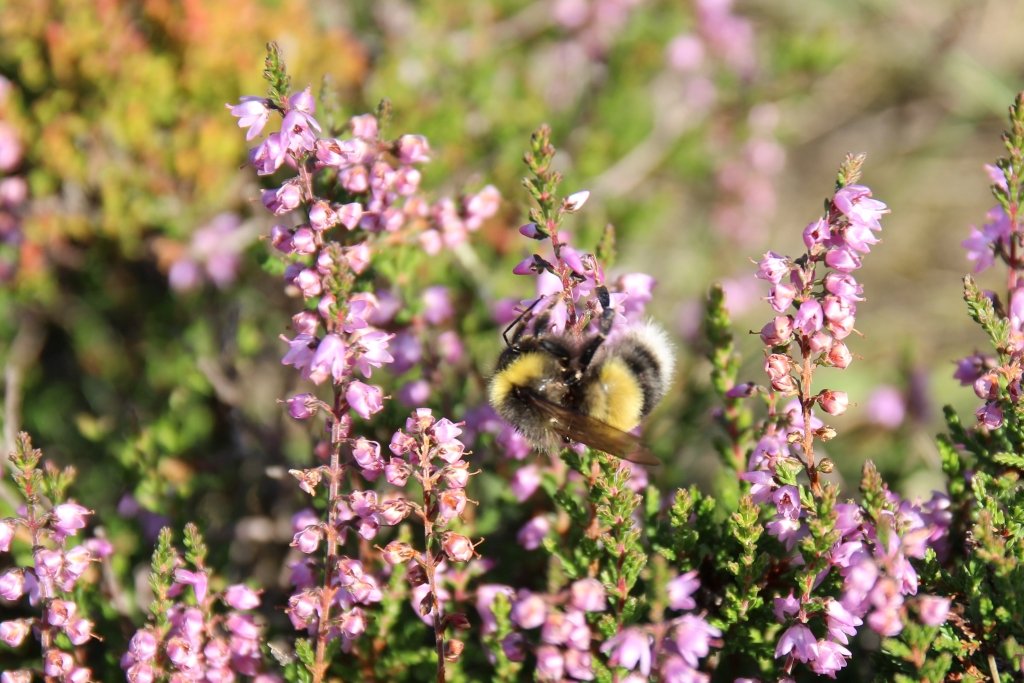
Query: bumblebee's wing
x=592 y=432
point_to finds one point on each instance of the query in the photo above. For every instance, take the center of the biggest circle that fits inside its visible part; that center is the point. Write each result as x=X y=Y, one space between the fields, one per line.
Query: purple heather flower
x=692 y=637
x=6 y=534
x=681 y=590
x=773 y=267
x=799 y=640
x=841 y=622
x=198 y=580
x=240 y=596
x=990 y=415
x=485 y=595
x=578 y=665
x=831 y=658
x=588 y=595
x=933 y=610
x=252 y=113
x=533 y=532
x=412 y=149
x=437 y=305
x=13 y=632
x=12 y=584
x=525 y=481
x=785 y=607
x=550 y=663
x=528 y=610
x=268 y=156
x=809 y=317
x=762 y=483
x=630 y=648
x=308 y=540
x=886 y=407
x=842 y=259
x=329 y=360
x=284 y=199
x=68 y=518
x=364 y=399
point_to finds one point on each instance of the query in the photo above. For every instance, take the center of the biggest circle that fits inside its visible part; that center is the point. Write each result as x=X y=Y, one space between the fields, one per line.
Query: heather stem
x=327 y=592
x=429 y=559
x=806 y=402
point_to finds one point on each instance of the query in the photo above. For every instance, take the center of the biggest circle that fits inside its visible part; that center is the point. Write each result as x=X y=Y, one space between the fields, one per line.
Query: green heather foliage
x=262 y=388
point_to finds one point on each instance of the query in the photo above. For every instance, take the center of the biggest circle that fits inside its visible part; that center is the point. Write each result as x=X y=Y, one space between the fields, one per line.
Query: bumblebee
x=556 y=388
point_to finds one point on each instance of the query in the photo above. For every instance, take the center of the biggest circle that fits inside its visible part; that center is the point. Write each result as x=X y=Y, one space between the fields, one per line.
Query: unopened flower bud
x=457 y=547
x=826 y=466
x=457 y=620
x=532 y=231
x=833 y=402
x=825 y=433
x=575 y=201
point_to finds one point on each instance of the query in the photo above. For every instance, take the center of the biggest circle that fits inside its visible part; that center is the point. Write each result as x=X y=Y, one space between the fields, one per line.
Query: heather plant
x=430 y=540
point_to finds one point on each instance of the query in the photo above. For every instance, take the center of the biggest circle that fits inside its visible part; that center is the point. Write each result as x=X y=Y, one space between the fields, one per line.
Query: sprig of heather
x=997 y=379
x=356 y=194
x=52 y=585
x=187 y=637
x=821 y=290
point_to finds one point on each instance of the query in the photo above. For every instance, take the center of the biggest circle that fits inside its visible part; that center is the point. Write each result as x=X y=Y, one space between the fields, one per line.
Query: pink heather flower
x=933 y=610
x=299 y=132
x=840 y=621
x=833 y=402
x=761 y=485
x=268 y=156
x=839 y=355
x=970 y=368
x=781 y=296
x=533 y=532
x=855 y=201
x=79 y=631
x=300 y=351
x=143 y=646
x=773 y=267
x=302 y=609
x=282 y=200
x=329 y=360
x=685 y=53
x=12 y=584
x=787 y=501
x=6 y=534
x=830 y=659
x=815 y=233
x=308 y=282
x=198 y=580
x=575 y=201
x=302 y=406
x=778 y=332
x=364 y=399
x=485 y=595
x=308 y=540
x=525 y=481
x=528 y=610
x=437 y=305
x=412 y=149
x=799 y=640
x=252 y=113
x=630 y=648
x=13 y=632
x=240 y=596
x=17 y=676
x=844 y=286
x=692 y=637
x=68 y=518
x=57 y=663
x=550 y=663
x=402 y=443
x=450 y=505
x=987 y=386
x=842 y=259
x=414 y=393
x=588 y=595
x=886 y=407
x=787 y=530
x=373 y=345
x=60 y=612
x=366 y=453
x=990 y=415
x=457 y=548
x=456 y=474
x=809 y=317
x=579 y=665
x=785 y=606
x=681 y=590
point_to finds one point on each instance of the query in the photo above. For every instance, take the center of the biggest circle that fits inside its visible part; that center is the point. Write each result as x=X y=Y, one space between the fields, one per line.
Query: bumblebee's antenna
x=517 y=321
x=604 y=327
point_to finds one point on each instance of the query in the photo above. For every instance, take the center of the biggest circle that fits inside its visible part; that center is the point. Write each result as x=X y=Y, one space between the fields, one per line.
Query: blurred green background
x=707 y=134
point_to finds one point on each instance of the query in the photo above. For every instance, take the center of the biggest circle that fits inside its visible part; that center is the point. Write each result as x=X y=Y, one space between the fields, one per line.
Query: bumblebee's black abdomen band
x=648 y=372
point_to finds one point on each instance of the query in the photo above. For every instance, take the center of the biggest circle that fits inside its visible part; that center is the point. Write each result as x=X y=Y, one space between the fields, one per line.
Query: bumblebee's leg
x=519 y=323
x=603 y=328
